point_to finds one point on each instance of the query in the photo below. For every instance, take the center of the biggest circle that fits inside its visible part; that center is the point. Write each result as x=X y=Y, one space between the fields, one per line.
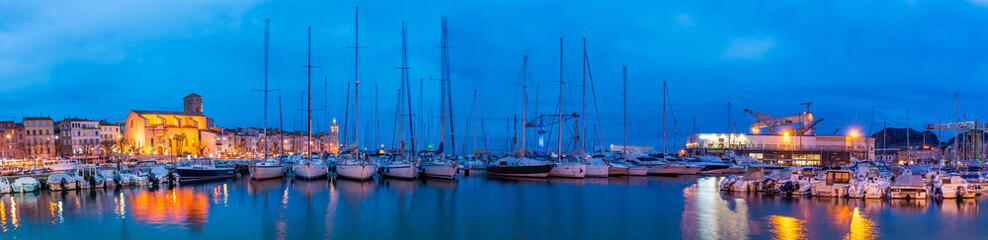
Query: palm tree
x=179 y=142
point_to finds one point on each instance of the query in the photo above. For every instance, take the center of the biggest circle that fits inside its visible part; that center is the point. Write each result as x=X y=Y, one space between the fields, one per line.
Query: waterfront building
x=172 y=133
x=631 y=149
x=77 y=137
x=109 y=137
x=39 y=136
x=13 y=140
x=784 y=149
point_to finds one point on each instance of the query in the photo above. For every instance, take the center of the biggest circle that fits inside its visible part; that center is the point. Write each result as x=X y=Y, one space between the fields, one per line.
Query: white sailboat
x=402 y=166
x=567 y=169
x=309 y=167
x=440 y=166
x=354 y=166
x=269 y=168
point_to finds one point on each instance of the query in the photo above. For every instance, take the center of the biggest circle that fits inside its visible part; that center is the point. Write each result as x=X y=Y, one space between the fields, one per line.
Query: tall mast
x=264 y=141
x=308 y=139
x=346 y=116
x=356 y=79
x=559 y=125
x=624 y=94
x=583 y=112
x=474 y=129
x=446 y=79
x=664 y=141
x=524 y=101
x=405 y=85
x=377 y=121
x=281 y=126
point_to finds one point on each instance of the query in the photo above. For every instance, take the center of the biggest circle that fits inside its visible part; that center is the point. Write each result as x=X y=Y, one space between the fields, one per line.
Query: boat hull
x=569 y=171
x=198 y=174
x=447 y=171
x=692 y=170
x=617 y=171
x=598 y=171
x=403 y=171
x=535 y=171
x=666 y=170
x=266 y=172
x=637 y=171
x=356 y=172
x=310 y=171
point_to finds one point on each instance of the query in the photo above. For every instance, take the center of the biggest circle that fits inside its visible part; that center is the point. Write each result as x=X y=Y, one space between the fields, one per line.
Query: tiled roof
x=166 y=113
x=192 y=95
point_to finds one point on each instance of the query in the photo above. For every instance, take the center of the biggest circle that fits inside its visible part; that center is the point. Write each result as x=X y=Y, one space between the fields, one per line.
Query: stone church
x=172 y=133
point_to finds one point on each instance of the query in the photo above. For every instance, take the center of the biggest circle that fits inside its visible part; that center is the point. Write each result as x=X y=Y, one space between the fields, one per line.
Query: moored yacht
x=198 y=169
x=519 y=167
x=267 y=169
x=597 y=168
x=310 y=169
x=399 y=168
x=25 y=184
x=353 y=168
x=569 y=170
x=438 y=168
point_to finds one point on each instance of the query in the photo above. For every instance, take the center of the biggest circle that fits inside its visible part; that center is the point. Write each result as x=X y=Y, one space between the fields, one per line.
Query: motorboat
x=267 y=169
x=61 y=181
x=909 y=187
x=870 y=187
x=4 y=186
x=161 y=175
x=112 y=178
x=61 y=164
x=134 y=179
x=200 y=169
x=751 y=181
x=799 y=182
x=519 y=167
x=952 y=187
x=835 y=184
x=25 y=184
x=310 y=169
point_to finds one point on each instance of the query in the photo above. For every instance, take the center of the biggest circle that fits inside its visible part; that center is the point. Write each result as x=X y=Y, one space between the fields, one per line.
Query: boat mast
x=559 y=125
x=474 y=129
x=583 y=112
x=624 y=94
x=308 y=140
x=281 y=126
x=448 y=86
x=356 y=80
x=405 y=84
x=524 y=101
x=664 y=141
x=264 y=141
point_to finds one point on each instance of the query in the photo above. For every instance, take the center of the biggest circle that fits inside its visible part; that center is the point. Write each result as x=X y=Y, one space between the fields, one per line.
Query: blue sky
x=100 y=59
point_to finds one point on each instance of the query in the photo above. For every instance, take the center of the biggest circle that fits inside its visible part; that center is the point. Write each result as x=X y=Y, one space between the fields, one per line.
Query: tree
x=108 y=146
x=179 y=142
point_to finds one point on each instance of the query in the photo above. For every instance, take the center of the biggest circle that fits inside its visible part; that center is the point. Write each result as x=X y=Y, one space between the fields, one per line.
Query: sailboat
x=633 y=170
x=354 y=166
x=309 y=168
x=567 y=169
x=440 y=166
x=402 y=166
x=519 y=165
x=269 y=168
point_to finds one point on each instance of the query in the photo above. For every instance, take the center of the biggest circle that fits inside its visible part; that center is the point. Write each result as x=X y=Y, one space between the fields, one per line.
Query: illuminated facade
x=13 y=138
x=784 y=149
x=78 y=137
x=39 y=135
x=172 y=133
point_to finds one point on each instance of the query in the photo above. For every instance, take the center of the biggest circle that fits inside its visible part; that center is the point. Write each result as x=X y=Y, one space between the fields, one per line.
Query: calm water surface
x=475 y=207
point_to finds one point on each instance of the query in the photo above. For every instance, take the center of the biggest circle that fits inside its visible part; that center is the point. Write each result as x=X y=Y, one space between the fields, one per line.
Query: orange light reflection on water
x=861 y=227
x=181 y=207
x=786 y=228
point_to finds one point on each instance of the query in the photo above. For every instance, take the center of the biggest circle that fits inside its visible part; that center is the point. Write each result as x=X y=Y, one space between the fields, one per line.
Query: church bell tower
x=193 y=104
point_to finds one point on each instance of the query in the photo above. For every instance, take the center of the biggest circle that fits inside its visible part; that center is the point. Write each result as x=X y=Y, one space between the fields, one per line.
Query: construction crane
x=801 y=124
x=973 y=146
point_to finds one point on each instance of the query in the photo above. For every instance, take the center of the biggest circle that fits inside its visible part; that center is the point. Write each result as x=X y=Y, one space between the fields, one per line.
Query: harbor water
x=474 y=207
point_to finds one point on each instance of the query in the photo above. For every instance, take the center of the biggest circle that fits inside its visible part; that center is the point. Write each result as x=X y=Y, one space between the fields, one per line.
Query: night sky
x=101 y=59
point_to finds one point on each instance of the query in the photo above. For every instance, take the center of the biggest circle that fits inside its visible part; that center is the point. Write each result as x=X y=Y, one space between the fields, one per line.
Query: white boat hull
x=266 y=172
x=598 y=170
x=401 y=170
x=310 y=171
x=637 y=171
x=666 y=170
x=569 y=171
x=617 y=171
x=692 y=170
x=447 y=171
x=356 y=172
